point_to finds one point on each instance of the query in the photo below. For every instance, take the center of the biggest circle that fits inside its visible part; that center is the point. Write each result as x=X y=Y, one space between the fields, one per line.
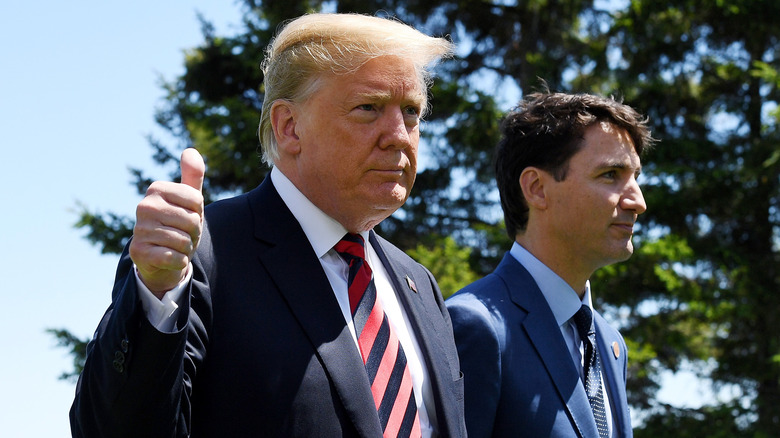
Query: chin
x=625 y=254
x=391 y=199
x=618 y=254
x=387 y=209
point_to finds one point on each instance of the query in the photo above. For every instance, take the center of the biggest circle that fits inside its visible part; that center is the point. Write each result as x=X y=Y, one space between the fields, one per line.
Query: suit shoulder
x=239 y=213
x=225 y=208
x=484 y=299
x=478 y=320
x=226 y=222
x=488 y=288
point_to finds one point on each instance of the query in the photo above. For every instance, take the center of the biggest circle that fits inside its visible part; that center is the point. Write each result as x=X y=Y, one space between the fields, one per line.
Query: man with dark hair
x=538 y=360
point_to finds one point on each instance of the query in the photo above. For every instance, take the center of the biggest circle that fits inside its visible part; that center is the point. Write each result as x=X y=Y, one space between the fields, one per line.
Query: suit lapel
x=613 y=372
x=545 y=335
x=426 y=331
x=405 y=285
x=312 y=302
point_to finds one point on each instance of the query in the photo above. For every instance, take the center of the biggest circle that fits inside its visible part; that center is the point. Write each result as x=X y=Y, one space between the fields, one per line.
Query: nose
x=633 y=200
x=397 y=129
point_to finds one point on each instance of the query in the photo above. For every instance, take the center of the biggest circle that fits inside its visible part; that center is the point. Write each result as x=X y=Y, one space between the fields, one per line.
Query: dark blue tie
x=584 y=322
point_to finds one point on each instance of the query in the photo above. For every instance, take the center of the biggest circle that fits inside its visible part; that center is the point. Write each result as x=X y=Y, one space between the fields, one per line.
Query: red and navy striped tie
x=391 y=381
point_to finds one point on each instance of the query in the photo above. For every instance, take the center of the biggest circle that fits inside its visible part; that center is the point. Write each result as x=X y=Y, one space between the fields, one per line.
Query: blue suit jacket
x=519 y=376
x=263 y=348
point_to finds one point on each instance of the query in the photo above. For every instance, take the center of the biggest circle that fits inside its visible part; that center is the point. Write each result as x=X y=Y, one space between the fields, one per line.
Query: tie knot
x=583 y=319
x=351 y=246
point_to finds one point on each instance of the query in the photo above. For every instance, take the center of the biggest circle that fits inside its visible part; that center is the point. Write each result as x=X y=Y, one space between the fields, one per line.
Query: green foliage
x=701 y=288
x=706 y=73
x=76 y=347
x=448 y=262
x=108 y=230
x=709 y=421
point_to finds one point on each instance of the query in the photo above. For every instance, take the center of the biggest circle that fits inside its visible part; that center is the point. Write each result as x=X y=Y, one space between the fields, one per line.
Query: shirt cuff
x=162 y=313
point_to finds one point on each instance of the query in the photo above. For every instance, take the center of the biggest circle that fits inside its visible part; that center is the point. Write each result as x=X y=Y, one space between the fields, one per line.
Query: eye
x=411 y=115
x=610 y=174
x=412 y=110
x=365 y=107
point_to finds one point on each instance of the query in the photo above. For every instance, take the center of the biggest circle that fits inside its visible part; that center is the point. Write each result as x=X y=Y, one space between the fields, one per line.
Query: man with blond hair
x=280 y=312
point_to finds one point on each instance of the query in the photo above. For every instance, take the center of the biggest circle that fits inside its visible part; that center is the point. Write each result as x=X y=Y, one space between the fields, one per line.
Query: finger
x=161 y=256
x=172 y=204
x=159 y=261
x=161 y=268
x=166 y=198
x=173 y=238
x=193 y=169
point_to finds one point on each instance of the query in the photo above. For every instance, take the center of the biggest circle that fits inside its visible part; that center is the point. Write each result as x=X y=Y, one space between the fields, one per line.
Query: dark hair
x=545 y=130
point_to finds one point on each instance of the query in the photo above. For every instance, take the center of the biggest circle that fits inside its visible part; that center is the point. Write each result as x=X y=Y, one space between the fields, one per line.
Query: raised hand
x=169 y=222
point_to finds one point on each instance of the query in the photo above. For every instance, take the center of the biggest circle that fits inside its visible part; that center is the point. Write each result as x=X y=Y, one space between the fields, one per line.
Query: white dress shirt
x=564 y=303
x=323 y=232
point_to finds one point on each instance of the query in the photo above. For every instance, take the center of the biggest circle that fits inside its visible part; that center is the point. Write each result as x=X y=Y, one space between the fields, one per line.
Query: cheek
x=584 y=212
x=413 y=165
x=411 y=154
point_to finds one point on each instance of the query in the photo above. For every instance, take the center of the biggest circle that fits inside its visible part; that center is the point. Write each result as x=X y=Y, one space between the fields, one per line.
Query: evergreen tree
x=706 y=73
x=699 y=292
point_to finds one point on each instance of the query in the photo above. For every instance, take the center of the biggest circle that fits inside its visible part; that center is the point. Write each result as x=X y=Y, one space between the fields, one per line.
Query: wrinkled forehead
x=381 y=78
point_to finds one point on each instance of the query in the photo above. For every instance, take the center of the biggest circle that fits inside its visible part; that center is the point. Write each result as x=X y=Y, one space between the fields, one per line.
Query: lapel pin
x=615 y=350
x=411 y=284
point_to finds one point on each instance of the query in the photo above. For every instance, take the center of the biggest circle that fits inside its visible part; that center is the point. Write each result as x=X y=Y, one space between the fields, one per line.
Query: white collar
x=322 y=230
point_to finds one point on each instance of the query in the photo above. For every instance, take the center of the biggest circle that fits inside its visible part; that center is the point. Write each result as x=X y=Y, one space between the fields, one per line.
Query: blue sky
x=78 y=89
x=79 y=82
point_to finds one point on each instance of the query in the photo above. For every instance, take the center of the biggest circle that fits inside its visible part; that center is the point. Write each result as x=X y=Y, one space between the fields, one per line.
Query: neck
x=561 y=262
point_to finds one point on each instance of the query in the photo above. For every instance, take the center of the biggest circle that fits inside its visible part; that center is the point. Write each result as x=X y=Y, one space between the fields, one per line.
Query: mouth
x=627 y=227
x=390 y=172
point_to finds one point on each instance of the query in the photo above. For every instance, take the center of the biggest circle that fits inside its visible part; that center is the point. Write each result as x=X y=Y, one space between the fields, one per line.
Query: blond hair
x=313 y=45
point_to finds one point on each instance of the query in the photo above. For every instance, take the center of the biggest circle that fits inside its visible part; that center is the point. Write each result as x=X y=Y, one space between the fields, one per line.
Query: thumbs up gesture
x=169 y=223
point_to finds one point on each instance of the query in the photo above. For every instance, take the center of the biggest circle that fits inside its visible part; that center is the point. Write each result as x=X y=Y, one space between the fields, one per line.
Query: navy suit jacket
x=519 y=376
x=262 y=349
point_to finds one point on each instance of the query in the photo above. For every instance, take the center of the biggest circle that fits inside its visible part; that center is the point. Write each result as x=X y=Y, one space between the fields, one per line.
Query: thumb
x=192 y=168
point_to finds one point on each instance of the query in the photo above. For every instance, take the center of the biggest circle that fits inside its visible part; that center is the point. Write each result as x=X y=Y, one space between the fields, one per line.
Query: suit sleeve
x=479 y=348
x=137 y=381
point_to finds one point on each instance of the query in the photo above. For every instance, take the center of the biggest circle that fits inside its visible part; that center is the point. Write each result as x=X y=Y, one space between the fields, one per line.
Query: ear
x=283 y=122
x=532 y=183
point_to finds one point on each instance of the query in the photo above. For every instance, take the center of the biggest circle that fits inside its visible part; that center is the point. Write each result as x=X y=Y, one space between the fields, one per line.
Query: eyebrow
x=621 y=165
x=383 y=96
x=372 y=95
